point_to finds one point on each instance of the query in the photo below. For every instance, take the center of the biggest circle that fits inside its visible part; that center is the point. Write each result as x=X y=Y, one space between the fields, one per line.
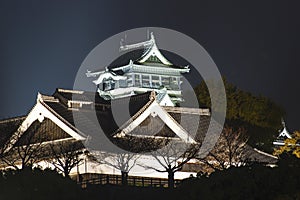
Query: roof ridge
x=264 y=153
x=70 y=91
x=186 y=110
x=10 y=119
x=48 y=98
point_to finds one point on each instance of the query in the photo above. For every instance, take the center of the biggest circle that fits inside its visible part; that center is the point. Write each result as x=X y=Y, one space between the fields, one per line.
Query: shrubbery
x=37 y=184
x=250 y=182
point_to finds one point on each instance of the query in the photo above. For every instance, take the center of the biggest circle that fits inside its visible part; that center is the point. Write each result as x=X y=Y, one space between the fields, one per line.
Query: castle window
x=165 y=81
x=137 y=82
x=155 y=82
x=174 y=83
x=109 y=85
x=129 y=81
x=145 y=81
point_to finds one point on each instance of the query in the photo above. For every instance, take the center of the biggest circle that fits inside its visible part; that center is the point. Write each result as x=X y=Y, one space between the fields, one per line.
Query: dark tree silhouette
x=65 y=155
x=172 y=157
x=26 y=151
x=244 y=106
x=230 y=150
x=124 y=162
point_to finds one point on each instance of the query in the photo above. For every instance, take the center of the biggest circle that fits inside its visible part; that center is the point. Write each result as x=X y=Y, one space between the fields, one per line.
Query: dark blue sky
x=43 y=43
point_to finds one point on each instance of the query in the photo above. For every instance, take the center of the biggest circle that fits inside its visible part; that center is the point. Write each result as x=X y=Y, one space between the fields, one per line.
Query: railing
x=101 y=179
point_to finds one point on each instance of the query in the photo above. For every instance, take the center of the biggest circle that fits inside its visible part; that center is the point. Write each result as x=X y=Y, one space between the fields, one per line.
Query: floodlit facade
x=151 y=71
x=53 y=118
x=85 y=122
x=66 y=117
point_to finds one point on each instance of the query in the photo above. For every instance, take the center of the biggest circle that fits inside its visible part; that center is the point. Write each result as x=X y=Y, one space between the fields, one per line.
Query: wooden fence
x=101 y=179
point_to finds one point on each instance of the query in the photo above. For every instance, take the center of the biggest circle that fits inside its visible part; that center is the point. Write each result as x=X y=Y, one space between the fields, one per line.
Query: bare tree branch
x=172 y=156
x=65 y=155
x=229 y=150
x=27 y=150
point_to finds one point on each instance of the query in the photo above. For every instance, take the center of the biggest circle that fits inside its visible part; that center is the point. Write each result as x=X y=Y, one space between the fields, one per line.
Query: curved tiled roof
x=88 y=120
x=135 y=55
x=8 y=127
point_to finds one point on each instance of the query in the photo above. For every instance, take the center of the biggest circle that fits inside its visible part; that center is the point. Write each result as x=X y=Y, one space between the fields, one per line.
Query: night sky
x=43 y=43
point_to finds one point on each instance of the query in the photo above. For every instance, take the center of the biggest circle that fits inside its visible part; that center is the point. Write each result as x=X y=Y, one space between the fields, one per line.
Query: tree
x=7 y=128
x=65 y=155
x=241 y=105
x=125 y=159
x=230 y=150
x=171 y=157
x=27 y=150
x=290 y=145
x=124 y=162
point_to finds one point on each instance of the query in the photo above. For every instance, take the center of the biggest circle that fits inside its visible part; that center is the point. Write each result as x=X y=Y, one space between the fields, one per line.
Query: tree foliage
x=241 y=105
x=291 y=145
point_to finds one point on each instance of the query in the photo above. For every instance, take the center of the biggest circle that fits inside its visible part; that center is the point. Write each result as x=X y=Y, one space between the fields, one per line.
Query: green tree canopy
x=244 y=106
x=291 y=145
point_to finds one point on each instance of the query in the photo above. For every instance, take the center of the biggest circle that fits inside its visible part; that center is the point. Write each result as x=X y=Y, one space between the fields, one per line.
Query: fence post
x=107 y=179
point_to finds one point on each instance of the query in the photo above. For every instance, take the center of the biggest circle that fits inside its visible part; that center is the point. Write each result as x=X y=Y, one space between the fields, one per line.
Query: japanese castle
x=152 y=86
x=151 y=71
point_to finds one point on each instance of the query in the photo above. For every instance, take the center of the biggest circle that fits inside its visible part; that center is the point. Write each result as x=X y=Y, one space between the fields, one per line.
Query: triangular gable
x=151 y=127
x=284 y=134
x=44 y=131
x=39 y=113
x=153 y=54
x=155 y=110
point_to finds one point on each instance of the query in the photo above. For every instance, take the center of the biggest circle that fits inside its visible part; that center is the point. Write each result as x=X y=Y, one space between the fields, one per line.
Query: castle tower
x=150 y=72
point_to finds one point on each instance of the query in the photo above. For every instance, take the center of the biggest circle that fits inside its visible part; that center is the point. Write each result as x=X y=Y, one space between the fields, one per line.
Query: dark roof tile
x=8 y=127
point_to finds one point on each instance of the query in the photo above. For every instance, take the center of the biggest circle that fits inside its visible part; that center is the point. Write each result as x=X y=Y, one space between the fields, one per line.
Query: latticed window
x=155 y=81
x=174 y=83
x=145 y=81
x=129 y=80
x=137 y=80
x=165 y=81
